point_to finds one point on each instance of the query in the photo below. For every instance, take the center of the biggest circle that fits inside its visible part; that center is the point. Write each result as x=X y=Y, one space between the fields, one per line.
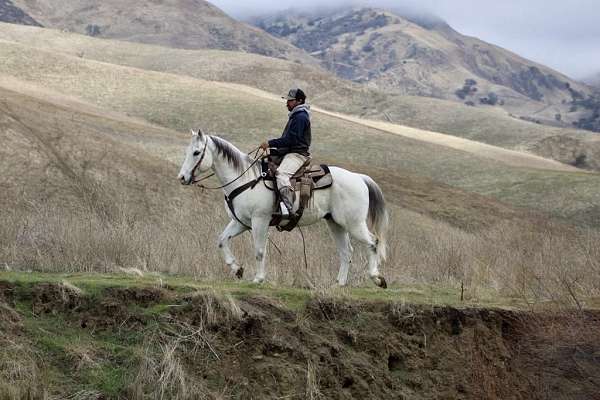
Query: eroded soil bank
x=57 y=341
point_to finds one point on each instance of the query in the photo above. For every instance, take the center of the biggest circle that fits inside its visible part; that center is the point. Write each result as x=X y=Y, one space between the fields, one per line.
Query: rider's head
x=294 y=98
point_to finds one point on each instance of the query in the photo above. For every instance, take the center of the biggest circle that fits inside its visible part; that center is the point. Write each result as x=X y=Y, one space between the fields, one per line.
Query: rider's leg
x=233 y=229
x=290 y=164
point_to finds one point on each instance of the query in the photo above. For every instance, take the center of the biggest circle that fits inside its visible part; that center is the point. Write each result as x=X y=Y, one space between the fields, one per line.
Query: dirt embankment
x=165 y=344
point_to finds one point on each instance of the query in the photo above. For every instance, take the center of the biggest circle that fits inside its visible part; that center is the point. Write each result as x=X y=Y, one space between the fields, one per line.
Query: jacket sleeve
x=293 y=135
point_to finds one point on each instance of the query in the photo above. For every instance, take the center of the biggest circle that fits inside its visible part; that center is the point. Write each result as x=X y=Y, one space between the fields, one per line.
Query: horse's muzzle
x=184 y=181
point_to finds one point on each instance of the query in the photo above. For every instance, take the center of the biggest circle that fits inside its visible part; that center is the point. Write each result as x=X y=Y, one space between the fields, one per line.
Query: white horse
x=349 y=206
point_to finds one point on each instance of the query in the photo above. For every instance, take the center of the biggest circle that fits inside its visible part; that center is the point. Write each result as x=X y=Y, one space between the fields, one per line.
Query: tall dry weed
x=546 y=262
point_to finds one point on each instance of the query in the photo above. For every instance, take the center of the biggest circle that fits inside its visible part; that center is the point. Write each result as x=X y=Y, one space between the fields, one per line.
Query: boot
x=287 y=199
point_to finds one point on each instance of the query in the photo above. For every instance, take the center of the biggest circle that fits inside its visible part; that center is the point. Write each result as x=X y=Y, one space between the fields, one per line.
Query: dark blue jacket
x=296 y=136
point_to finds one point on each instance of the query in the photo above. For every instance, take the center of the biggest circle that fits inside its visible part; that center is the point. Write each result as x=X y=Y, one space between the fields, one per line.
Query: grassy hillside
x=181 y=102
x=191 y=24
x=441 y=231
x=113 y=337
x=90 y=189
x=490 y=126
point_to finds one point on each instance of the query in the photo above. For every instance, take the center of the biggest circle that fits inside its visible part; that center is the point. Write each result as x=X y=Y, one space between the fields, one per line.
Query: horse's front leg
x=233 y=229
x=260 y=232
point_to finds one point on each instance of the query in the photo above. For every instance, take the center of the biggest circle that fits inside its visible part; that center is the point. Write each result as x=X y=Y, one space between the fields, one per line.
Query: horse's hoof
x=340 y=284
x=239 y=274
x=380 y=281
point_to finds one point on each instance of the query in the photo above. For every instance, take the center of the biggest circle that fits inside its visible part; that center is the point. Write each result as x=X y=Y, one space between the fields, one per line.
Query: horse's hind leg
x=233 y=229
x=361 y=233
x=342 y=241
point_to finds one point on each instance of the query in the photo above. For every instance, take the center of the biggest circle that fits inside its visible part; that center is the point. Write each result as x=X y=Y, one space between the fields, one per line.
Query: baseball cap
x=295 y=94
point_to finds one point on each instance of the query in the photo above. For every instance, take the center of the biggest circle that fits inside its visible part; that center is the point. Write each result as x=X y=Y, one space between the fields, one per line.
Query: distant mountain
x=190 y=24
x=14 y=15
x=424 y=56
x=593 y=80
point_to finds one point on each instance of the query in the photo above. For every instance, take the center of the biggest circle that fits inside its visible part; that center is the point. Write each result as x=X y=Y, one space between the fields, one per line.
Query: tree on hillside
x=468 y=89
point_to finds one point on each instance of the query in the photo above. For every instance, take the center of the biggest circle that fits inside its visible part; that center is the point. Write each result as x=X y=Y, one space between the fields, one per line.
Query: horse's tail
x=378 y=217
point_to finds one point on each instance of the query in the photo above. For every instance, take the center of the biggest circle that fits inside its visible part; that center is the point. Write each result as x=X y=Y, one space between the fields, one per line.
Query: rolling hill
x=192 y=24
x=97 y=189
x=487 y=125
x=91 y=189
x=180 y=102
x=393 y=53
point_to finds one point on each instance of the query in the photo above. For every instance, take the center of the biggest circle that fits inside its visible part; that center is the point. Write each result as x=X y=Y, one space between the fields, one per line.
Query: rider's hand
x=264 y=145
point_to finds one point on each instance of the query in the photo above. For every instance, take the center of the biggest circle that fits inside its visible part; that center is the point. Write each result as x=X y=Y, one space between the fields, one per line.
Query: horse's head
x=198 y=158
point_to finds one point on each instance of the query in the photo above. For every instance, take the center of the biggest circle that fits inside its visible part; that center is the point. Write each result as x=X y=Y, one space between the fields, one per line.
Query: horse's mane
x=233 y=156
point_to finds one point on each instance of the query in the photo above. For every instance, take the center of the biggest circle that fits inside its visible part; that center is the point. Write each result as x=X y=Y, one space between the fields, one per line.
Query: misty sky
x=562 y=34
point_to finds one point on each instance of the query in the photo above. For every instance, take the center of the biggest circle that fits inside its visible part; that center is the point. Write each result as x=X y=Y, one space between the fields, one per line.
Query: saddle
x=309 y=178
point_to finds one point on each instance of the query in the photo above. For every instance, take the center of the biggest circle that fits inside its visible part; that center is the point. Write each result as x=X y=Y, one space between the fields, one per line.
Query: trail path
x=506 y=156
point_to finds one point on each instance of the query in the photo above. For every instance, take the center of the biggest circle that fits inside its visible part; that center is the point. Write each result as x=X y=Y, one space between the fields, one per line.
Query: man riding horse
x=292 y=146
x=352 y=204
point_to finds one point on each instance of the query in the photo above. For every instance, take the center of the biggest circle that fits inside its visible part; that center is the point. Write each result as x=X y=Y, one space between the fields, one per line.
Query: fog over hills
x=422 y=55
x=593 y=80
x=562 y=35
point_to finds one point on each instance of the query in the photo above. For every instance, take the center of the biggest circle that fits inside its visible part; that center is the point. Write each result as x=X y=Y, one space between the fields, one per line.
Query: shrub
x=491 y=99
x=468 y=89
x=93 y=30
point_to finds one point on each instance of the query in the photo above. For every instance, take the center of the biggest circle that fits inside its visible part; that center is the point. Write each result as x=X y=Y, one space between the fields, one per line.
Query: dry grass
x=180 y=102
x=540 y=263
x=19 y=364
x=162 y=372
x=491 y=126
x=161 y=375
x=312 y=383
x=85 y=209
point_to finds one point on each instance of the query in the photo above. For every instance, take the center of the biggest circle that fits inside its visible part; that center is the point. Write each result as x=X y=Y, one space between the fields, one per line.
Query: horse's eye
x=196 y=153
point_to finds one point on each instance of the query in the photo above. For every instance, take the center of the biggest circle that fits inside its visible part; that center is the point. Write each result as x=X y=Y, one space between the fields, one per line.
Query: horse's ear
x=197 y=133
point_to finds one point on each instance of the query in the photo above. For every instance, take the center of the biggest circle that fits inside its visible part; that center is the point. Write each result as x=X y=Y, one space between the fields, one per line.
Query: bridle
x=257 y=158
x=199 y=161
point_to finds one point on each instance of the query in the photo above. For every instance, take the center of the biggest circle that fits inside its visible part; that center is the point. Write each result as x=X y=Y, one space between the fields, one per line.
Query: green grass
x=78 y=359
x=291 y=297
